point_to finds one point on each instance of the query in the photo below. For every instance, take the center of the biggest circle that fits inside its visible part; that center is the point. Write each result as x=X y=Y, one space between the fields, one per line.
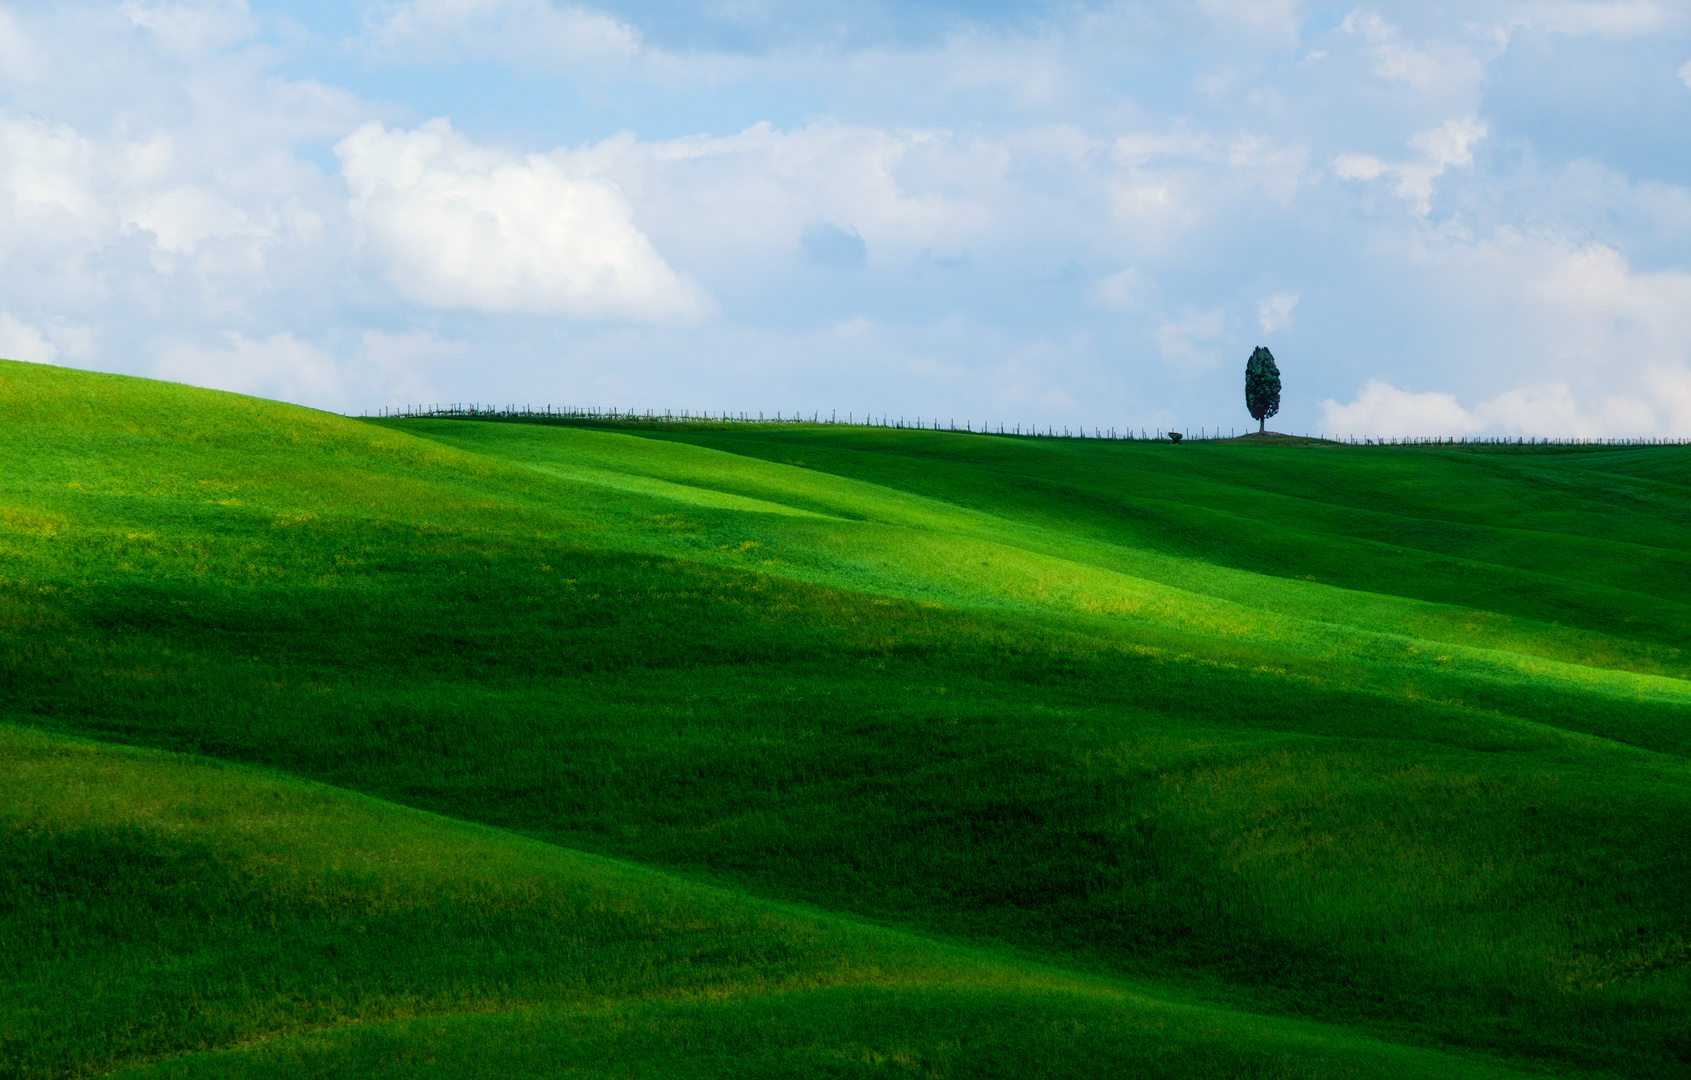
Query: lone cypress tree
x=1262 y=387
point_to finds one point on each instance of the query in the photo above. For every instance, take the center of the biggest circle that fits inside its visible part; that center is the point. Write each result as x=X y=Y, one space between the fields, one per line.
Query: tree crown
x=1262 y=384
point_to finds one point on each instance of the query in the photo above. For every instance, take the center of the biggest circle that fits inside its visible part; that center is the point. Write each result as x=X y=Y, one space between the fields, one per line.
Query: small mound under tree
x=1262 y=387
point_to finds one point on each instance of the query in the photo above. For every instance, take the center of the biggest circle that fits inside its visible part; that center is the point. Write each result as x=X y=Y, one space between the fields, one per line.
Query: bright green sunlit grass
x=1209 y=741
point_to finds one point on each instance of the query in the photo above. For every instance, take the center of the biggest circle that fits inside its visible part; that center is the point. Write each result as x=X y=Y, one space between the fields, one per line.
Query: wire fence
x=552 y=414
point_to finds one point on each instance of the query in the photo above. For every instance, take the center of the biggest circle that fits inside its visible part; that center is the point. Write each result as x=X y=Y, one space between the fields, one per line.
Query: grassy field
x=341 y=747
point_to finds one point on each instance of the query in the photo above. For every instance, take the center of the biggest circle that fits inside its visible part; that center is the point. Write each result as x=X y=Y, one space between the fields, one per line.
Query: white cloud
x=1660 y=406
x=1359 y=167
x=47 y=174
x=1597 y=313
x=462 y=226
x=20 y=341
x=278 y=366
x=1669 y=388
x=1441 y=148
x=164 y=181
x=1383 y=410
x=1275 y=313
x=1549 y=409
x=739 y=204
x=373 y=370
x=176 y=194
x=1558 y=339
x=1685 y=72
x=1437 y=68
x=65 y=190
x=734 y=208
x=193 y=28
x=181 y=217
x=1451 y=144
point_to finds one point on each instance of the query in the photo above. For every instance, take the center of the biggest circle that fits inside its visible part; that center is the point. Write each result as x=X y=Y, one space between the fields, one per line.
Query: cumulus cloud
x=1600 y=319
x=167 y=182
x=1441 y=147
x=1438 y=67
x=1661 y=407
x=1381 y=409
x=52 y=342
x=66 y=191
x=750 y=193
x=148 y=168
x=936 y=208
x=279 y=365
x=20 y=341
x=366 y=371
x=196 y=27
x=47 y=184
x=461 y=226
x=181 y=217
x=1610 y=346
x=1547 y=336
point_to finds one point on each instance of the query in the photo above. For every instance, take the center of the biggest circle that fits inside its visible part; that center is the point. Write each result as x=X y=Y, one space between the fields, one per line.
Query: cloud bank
x=461 y=226
x=1442 y=221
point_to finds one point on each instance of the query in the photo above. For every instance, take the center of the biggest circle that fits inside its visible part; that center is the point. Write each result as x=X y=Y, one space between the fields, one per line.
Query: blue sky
x=1443 y=219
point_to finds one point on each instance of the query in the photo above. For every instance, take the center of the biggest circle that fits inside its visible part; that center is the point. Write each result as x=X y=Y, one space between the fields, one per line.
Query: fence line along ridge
x=552 y=414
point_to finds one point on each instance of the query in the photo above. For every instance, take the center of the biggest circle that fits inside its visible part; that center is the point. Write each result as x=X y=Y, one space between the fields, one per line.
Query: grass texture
x=343 y=747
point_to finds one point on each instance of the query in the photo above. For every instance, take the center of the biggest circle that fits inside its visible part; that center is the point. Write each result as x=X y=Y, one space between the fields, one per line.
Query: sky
x=1443 y=219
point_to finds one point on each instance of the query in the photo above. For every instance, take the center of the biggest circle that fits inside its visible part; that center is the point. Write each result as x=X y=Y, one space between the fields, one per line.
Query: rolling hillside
x=337 y=746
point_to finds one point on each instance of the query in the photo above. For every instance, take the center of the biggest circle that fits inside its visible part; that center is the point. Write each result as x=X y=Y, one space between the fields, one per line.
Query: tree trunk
x=1262 y=425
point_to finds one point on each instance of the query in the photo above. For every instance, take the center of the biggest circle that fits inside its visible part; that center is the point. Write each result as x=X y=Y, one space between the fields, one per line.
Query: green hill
x=768 y=750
